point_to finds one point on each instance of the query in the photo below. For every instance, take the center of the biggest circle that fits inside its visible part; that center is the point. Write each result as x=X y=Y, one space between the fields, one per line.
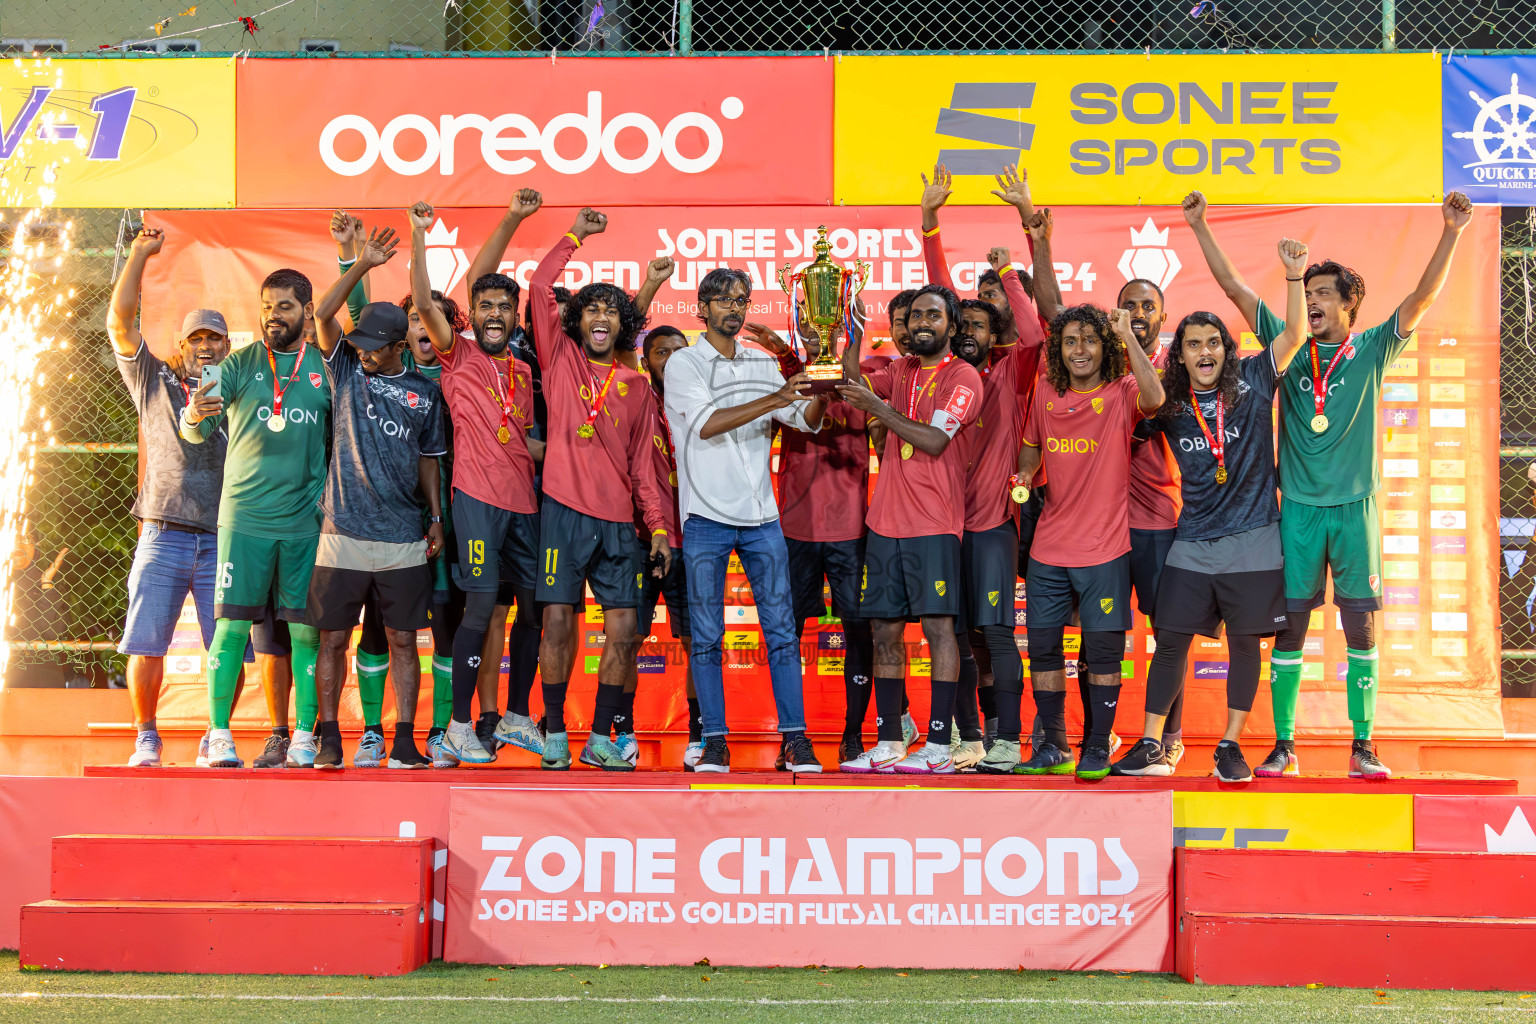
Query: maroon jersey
x=611 y=473
x=664 y=469
x=1084 y=439
x=1156 y=494
x=824 y=477
x=474 y=385
x=921 y=496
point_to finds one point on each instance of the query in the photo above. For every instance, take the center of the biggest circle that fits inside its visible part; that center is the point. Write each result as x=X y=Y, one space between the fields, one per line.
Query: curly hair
x=994 y=318
x=1351 y=284
x=1113 y=366
x=631 y=320
x=1176 y=384
x=457 y=319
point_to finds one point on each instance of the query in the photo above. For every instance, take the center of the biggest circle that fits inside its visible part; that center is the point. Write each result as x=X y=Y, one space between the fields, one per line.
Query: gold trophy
x=829 y=295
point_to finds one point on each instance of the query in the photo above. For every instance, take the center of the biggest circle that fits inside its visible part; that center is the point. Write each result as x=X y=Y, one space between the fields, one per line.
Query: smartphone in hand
x=209 y=385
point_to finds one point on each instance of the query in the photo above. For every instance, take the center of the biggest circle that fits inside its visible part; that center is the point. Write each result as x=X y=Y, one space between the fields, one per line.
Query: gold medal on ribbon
x=1020 y=494
x=503 y=434
x=586 y=430
x=1319 y=423
x=1221 y=474
x=906 y=449
x=276 y=423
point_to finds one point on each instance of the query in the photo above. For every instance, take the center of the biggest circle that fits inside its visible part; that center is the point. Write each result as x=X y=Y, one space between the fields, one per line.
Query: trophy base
x=823 y=377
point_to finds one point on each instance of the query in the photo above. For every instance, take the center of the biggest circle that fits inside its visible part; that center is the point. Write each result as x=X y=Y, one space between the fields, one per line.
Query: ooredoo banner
x=1439 y=416
x=873 y=878
x=722 y=131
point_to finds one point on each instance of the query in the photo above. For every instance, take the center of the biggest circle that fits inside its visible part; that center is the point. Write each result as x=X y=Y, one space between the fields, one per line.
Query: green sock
x=442 y=691
x=306 y=648
x=1284 y=691
x=371 y=672
x=1361 y=682
x=225 y=659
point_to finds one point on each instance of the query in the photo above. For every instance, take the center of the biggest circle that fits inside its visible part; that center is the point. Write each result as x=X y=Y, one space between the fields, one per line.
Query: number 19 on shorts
x=476 y=557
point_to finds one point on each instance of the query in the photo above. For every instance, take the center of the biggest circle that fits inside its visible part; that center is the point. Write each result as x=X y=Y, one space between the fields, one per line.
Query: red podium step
x=233 y=905
x=1374 y=920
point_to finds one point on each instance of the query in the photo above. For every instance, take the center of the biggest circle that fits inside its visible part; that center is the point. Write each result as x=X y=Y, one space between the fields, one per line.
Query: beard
x=728 y=325
x=495 y=348
x=286 y=340
x=972 y=351
x=925 y=343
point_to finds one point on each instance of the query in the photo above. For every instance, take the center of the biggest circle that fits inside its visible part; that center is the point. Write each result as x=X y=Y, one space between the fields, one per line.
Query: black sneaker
x=329 y=755
x=1094 y=764
x=1230 y=766
x=800 y=756
x=778 y=761
x=405 y=755
x=274 y=755
x=1363 y=763
x=485 y=730
x=851 y=747
x=716 y=756
x=1146 y=758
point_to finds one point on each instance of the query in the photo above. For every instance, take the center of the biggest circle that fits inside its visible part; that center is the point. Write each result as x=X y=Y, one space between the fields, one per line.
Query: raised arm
x=1148 y=383
x=1025 y=320
x=935 y=195
x=1293 y=255
x=1237 y=291
x=347 y=232
x=525 y=203
x=1457 y=211
x=378 y=250
x=124 y=310
x=548 y=332
x=1047 y=288
x=1013 y=189
x=657 y=273
x=437 y=326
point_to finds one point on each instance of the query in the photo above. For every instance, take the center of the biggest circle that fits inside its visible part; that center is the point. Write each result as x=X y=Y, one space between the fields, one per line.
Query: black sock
x=857 y=692
x=1008 y=723
x=624 y=718
x=987 y=695
x=467 y=645
x=888 y=701
x=522 y=663
x=610 y=698
x=435 y=731
x=967 y=713
x=405 y=737
x=1052 y=705
x=1103 y=699
x=329 y=730
x=554 y=707
x=377 y=727
x=695 y=721
x=906 y=705
x=280 y=730
x=1082 y=693
x=941 y=710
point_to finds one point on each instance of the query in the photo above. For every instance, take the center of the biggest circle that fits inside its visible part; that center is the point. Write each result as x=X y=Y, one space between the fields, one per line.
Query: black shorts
x=1101 y=593
x=337 y=596
x=495 y=546
x=578 y=548
x=674 y=587
x=840 y=562
x=1029 y=518
x=1248 y=603
x=910 y=577
x=987 y=573
x=1149 y=552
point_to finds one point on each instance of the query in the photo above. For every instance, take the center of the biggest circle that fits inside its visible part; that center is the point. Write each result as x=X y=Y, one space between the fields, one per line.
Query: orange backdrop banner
x=1049 y=881
x=582 y=130
x=1439 y=418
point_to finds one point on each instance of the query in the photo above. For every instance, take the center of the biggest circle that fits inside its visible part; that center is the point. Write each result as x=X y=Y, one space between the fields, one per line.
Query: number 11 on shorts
x=551 y=564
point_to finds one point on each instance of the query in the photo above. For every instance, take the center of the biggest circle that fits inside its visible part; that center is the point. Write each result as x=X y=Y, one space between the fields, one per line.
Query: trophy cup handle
x=861 y=275
x=786 y=278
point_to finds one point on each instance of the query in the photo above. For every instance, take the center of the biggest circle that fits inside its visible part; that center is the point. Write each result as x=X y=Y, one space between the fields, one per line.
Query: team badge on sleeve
x=939 y=586
x=1106 y=604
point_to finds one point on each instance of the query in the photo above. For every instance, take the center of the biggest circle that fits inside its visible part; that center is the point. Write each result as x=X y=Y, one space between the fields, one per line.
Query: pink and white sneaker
x=881 y=759
x=929 y=759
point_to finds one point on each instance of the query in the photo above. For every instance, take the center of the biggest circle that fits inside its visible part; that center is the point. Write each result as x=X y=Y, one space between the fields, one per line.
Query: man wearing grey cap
x=178 y=500
x=389 y=430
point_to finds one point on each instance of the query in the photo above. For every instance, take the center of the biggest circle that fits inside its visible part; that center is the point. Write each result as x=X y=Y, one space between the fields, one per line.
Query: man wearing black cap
x=388 y=432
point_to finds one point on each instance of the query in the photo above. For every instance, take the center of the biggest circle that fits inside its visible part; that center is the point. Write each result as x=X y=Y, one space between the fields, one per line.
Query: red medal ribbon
x=1218 y=443
x=602 y=394
x=666 y=429
x=277 y=396
x=1320 y=382
x=915 y=390
x=504 y=391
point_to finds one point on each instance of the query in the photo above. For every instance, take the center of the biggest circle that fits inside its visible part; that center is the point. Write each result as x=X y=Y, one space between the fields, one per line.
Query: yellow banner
x=154 y=133
x=1127 y=130
x=1294 y=821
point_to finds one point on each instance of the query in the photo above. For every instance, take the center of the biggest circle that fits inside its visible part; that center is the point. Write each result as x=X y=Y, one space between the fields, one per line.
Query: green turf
x=639 y=995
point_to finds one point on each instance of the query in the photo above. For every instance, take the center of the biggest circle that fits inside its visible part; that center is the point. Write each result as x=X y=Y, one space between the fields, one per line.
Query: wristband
x=658 y=533
x=434 y=519
x=572 y=236
x=345 y=264
x=1295 y=279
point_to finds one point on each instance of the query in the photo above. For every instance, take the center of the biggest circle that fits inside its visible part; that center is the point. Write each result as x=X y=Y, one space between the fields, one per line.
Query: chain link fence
x=431 y=27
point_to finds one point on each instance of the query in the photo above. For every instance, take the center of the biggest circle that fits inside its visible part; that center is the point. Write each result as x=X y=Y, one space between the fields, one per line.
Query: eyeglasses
x=729 y=303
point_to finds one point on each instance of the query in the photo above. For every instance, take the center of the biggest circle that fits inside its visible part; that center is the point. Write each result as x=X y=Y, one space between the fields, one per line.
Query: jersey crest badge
x=623 y=388
x=1098 y=406
x=1106 y=604
x=938 y=585
x=314 y=380
x=992 y=597
x=411 y=399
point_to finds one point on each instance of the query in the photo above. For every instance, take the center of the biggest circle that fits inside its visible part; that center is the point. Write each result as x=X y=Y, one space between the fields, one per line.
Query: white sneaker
x=439 y=753
x=519 y=731
x=146 y=751
x=967 y=754
x=221 y=750
x=463 y=744
x=929 y=759
x=908 y=729
x=628 y=746
x=302 y=751
x=881 y=759
x=202 y=751
x=692 y=754
x=370 y=750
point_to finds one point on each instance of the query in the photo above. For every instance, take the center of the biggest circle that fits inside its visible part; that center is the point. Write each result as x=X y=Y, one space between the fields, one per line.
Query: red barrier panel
x=1485 y=824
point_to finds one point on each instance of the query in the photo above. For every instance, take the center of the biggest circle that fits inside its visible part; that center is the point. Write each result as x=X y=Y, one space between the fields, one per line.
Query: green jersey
x=1343 y=463
x=273 y=480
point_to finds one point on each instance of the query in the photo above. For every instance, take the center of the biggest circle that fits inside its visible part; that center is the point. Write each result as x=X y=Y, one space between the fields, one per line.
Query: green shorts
x=1342 y=539
x=250 y=568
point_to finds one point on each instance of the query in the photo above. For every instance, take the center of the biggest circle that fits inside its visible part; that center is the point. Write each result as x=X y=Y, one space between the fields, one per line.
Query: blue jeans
x=707 y=547
x=166 y=565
